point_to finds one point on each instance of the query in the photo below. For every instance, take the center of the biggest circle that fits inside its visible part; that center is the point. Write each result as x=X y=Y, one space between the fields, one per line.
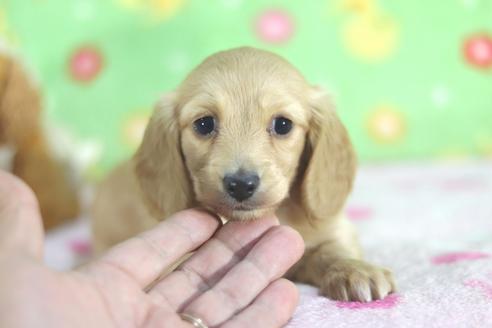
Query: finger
x=164 y=318
x=21 y=227
x=144 y=257
x=275 y=306
x=268 y=260
x=209 y=264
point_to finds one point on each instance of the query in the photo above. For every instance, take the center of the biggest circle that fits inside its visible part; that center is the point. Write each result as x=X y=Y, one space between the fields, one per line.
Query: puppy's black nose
x=241 y=185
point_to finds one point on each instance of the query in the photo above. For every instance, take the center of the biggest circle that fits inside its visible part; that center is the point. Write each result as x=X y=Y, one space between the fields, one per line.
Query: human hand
x=233 y=279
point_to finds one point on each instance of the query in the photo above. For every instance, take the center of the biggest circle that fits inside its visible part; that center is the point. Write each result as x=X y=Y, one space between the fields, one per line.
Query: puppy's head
x=242 y=132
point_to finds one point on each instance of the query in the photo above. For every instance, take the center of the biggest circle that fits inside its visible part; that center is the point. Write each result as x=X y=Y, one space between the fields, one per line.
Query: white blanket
x=430 y=224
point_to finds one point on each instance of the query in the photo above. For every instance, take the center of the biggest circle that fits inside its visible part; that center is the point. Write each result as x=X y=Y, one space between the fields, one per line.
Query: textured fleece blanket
x=430 y=223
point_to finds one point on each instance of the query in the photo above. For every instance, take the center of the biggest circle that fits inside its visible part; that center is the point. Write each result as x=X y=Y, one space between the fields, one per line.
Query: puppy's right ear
x=159 y=165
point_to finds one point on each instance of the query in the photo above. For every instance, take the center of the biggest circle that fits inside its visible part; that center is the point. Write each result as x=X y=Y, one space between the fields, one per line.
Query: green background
x=395 y=68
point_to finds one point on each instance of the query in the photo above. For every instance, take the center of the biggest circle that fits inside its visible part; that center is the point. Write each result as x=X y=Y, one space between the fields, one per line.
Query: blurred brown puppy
x=21 y=133
x=245 y=136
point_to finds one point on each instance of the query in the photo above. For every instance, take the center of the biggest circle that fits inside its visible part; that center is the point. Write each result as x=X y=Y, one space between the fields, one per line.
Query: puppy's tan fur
x=305 y=175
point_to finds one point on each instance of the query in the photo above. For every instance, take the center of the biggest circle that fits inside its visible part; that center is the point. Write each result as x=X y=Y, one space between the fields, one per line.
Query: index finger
x=21 y=228
x=144 y=257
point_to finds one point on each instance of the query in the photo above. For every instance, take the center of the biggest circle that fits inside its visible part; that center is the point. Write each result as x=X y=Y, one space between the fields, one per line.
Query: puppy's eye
x=204 y=125
x=281 y=125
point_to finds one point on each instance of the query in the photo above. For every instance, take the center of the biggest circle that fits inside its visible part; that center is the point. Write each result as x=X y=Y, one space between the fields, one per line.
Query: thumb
x=21 y=228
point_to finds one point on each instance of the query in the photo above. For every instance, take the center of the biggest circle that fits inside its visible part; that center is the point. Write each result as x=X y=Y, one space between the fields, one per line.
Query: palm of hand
x=232 y=280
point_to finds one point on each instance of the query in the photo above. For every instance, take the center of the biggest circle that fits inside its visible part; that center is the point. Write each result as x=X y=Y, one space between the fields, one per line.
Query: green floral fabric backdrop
x=411 y=79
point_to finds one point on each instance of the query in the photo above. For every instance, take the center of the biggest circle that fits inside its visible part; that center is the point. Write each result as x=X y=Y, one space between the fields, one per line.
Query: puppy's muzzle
x=241 y=185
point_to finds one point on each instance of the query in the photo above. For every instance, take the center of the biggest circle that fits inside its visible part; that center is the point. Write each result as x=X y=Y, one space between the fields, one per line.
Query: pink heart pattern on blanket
x=386 y=303
x=458 y=256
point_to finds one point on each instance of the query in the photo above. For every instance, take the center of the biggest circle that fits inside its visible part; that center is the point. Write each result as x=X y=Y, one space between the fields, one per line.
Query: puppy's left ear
x=331 y=162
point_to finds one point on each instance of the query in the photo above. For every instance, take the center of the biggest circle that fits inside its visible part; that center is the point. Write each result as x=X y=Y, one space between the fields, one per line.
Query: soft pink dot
x=85 y=63
x=477 y=50
x=356 y=213
x=386 y=303
x=80 y=247
x=274 y=26
x=458 y=256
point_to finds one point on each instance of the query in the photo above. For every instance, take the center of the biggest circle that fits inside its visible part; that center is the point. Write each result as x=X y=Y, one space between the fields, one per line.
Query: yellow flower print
x=133 y=129
x=370 y=37
x=359 y=6
x=159 y=9
x=386 y=124
x=483 y=142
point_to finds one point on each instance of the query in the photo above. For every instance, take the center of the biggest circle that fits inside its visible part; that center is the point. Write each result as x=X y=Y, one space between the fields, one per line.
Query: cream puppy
x=245 y=135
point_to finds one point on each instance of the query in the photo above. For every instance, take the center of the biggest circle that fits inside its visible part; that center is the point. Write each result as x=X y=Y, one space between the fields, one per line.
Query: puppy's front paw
x=354 y=280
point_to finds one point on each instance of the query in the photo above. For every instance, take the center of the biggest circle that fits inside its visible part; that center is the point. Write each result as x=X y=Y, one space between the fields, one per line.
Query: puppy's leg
x=57 y=196
x=335 y=266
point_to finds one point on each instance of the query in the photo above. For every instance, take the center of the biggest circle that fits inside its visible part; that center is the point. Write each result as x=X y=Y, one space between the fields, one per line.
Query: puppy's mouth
x=242 y=211
x=245 y=208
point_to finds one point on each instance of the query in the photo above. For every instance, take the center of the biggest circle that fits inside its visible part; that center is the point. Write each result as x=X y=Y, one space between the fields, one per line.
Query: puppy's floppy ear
x=329 y=160
x=159 y=165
